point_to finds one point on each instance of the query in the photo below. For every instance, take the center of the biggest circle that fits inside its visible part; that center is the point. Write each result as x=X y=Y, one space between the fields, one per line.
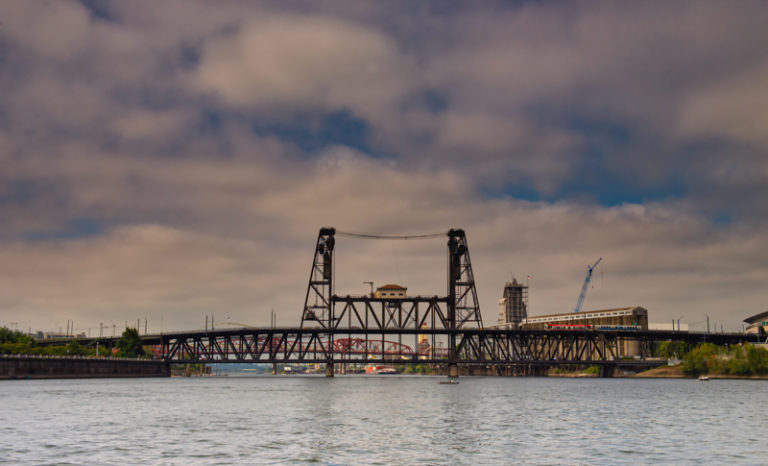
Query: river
x=383 y=420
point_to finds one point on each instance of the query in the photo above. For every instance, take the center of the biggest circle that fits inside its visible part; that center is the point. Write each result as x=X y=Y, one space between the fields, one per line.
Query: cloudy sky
x=172 y=160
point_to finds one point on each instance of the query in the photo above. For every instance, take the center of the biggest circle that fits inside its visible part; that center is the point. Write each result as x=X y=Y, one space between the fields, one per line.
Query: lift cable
x=399 y=237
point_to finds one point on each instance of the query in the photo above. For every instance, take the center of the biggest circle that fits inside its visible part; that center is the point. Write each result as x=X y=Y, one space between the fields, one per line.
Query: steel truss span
x=392 y=346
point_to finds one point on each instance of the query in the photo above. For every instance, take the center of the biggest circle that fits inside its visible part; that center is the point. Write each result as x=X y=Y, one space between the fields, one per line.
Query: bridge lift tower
x=460 y=309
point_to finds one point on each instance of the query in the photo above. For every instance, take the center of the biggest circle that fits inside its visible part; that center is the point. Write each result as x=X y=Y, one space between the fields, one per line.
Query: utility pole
x=369 y=283
x=707 y=322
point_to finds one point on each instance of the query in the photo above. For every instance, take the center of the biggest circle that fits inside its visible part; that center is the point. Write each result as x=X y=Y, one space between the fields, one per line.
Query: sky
x=174 y=160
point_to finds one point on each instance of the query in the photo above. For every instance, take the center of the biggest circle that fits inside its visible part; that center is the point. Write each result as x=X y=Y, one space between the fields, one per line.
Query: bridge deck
x=408 y=345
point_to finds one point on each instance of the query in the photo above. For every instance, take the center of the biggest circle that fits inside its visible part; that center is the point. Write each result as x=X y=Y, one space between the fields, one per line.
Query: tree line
x=708 y=358
x=16 y=342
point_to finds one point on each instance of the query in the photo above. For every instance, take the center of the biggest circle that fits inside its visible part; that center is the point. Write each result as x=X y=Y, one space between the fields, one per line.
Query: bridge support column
x=453 y=370
x=274 y=368
x=607 y=371
x=329 y=369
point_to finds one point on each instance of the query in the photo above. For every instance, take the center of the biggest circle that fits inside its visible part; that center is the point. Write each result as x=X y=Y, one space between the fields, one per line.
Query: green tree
x=669 y=349
x=75 y=349
x=757 y=359
x=14 y=336
x=738 y=365
x=699 y=359
x=129 y=344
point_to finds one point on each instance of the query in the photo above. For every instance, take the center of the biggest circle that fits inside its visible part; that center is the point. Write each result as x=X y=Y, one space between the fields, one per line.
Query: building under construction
x=513 y=306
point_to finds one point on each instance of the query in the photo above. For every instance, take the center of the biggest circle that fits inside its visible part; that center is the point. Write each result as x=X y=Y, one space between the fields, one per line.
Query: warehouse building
x=758 y=323
x=626 y=318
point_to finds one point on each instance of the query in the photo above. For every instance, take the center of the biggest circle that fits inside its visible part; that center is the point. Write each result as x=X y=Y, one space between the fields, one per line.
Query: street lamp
x=678 y=323
x=721 y=326
x=369 y=283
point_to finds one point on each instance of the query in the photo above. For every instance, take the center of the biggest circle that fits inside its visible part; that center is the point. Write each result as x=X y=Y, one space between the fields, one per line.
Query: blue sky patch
x=98 y=9
x=312 y=135
x=74 y=229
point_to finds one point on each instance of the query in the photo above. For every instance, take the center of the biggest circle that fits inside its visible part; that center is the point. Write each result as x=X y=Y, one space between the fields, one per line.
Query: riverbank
x=664 y=372
x=676 y=372
x=78 y=367
x=576 y=375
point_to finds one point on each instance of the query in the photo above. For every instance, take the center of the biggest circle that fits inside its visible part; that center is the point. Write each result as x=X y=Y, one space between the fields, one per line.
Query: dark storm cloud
x=177 y=157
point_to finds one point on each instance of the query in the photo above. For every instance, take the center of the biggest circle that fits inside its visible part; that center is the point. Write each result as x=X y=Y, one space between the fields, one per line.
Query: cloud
x=298 y=63
x=666 y=260
x=132 y=272
x=54 y=30
x=174 y=131
x=734 y=109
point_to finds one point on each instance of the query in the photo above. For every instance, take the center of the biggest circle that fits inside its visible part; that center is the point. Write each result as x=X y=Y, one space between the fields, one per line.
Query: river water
x=383 y=420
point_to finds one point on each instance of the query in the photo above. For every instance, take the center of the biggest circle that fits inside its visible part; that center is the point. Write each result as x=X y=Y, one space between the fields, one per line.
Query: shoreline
x=664 y=372
x=676 y=372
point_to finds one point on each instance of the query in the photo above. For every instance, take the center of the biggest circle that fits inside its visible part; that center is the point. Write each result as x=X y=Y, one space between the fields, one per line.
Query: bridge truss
x=396 y=346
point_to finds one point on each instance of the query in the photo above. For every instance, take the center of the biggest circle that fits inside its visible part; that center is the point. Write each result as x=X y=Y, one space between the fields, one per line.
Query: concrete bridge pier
x=453 y=370
x=607 y=371
x=329 y=369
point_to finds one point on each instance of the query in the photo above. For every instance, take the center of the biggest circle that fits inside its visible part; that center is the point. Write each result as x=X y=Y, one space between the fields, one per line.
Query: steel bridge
x=482 y=347
x=443 y=330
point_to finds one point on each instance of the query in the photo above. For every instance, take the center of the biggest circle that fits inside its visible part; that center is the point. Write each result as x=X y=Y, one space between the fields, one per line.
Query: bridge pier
x=607 y=371
x=329 y=369
x=453 y=370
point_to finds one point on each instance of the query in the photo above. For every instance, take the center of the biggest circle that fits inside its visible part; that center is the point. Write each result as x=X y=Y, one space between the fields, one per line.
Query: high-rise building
x=513 y=306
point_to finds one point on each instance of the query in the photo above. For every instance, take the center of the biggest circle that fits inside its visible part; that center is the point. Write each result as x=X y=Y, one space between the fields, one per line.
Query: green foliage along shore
x=15 y=342
x=129 y=344
x=707 y=358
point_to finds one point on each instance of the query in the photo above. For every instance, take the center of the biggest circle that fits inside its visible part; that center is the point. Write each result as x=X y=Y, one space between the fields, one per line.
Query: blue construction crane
x=586 y=283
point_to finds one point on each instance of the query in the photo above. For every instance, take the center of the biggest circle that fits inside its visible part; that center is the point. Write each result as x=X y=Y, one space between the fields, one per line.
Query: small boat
x=703 y=378
x=448 y=382
x=380 y=370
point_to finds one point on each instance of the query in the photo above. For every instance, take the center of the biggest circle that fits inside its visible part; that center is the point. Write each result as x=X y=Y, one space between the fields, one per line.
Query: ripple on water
x=403 y=420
